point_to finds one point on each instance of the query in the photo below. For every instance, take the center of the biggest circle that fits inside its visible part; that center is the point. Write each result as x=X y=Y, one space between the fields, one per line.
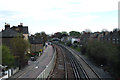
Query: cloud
x=52 y=13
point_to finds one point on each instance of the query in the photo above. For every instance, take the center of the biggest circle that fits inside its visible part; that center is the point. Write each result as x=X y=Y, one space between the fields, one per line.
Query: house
x=36 y=43
x=7 y=35
x=97 y=35
x=66 y=39
x=84 y=38
x=75 y=40
x=113 y=37
x=21 y=29
x=11 y=32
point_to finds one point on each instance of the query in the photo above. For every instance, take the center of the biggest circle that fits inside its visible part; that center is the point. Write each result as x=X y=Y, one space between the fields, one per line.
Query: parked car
x=33 y=58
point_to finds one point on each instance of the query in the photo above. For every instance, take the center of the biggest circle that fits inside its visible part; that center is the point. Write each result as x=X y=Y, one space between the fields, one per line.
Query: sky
x=53 y=16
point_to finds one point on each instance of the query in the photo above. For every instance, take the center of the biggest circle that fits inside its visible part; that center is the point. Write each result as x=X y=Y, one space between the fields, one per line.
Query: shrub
x=103 y=53
x=7 y=57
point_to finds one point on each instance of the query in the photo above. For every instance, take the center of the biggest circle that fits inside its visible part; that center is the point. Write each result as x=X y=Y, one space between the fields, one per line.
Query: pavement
x=36 y=67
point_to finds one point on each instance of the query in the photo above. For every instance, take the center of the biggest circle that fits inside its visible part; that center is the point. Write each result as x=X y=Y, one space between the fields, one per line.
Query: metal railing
x=45 y=73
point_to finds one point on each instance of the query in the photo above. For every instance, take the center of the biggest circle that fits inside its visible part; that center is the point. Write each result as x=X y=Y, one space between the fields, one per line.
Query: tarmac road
x=34 y=68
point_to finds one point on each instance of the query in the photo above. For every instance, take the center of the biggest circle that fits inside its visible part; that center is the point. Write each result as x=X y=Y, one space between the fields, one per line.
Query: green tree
x=44 y=37
x=64 y=33
x=38 y=35
x=102 y=52
x=74 y=33
x=7 y=57
x=19 y=48
x=58 y=35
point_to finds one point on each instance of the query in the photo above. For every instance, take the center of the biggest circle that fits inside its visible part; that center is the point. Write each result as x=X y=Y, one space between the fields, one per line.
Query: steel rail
x=80 y=65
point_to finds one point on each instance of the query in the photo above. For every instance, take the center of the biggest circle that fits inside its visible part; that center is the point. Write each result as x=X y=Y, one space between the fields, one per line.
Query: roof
x=113 y=35
x=35 y=41
x=9 y=33
x=22 y=29
x=25 y=30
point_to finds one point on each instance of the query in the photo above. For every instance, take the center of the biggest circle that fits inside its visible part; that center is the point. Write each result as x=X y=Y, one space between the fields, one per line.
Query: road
x=33 y=70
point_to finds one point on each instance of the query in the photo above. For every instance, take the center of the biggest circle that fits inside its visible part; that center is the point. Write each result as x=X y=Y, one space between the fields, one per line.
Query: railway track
x=74 y=65
x=81 y=69
x=65 y=64
x=78 y=75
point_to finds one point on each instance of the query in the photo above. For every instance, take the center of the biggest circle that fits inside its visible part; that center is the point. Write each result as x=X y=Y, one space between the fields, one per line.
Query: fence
x=9 y=73
x=45 y=73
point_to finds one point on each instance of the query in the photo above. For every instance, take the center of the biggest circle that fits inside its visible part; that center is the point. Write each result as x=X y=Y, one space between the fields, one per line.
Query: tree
x=38 y=35
x=58 y=35
x=64 y=33
x=19 y=47
x=44 y=37
x=7 y=57
x=74 y=33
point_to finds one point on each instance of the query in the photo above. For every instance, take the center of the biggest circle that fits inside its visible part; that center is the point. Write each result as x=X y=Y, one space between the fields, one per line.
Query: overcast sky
x=60 y=15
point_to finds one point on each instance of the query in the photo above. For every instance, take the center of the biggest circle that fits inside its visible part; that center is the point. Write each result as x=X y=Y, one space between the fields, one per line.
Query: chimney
x=21 y=25
x=7 y=26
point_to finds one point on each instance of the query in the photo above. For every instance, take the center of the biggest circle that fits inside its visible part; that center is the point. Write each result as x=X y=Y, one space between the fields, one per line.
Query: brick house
x=36 y=44
x=84 y=38
x=22 y=29
x=113 y=37
x=7 y=35
x=12 y=32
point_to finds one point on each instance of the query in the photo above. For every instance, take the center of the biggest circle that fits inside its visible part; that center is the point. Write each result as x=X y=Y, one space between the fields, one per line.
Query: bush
x=69 y=43
x=83 y=49
x=19 y=48
x=7 y=57
x=103 y=53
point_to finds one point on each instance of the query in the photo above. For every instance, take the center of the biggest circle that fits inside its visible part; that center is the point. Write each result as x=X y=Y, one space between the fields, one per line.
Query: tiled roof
x=23 y=29
x=35 y=41
x=113 y=35
x=9 y=33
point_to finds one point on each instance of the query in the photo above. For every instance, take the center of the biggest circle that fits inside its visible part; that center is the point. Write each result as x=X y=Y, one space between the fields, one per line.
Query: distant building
x=9 y=33
x=113 y=37
x=66 y=39
x=22 y=29
x=84 y=38
x=73 y=40
x=36 y=44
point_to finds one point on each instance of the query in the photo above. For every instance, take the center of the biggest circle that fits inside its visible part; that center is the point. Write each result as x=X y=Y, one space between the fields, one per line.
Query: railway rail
x=65 y=64
x=81 y=69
